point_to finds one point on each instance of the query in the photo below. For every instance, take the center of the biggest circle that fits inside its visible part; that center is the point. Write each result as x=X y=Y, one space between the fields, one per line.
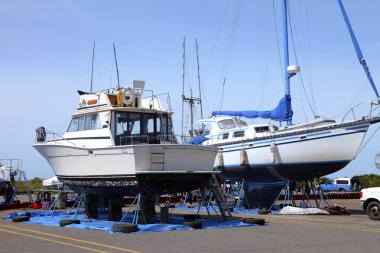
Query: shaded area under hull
x=263 y=184
x=149 y=184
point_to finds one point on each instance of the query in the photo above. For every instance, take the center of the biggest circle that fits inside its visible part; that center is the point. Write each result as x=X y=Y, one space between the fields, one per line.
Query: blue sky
x=46 y=47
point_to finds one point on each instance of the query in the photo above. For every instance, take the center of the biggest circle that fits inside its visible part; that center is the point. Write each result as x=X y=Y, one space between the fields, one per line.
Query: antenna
x=117 y=69
x=92 y=65
x=199 y=79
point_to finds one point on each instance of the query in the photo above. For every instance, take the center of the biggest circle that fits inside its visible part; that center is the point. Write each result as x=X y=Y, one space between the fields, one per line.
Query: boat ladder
x=219 y=197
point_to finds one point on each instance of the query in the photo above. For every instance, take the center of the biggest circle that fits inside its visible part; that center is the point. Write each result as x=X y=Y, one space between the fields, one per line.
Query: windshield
x=241 y=123
x=226 y=123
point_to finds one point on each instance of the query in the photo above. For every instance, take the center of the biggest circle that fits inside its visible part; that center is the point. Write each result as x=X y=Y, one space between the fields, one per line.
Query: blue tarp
x=175 y=223
x=282 y=112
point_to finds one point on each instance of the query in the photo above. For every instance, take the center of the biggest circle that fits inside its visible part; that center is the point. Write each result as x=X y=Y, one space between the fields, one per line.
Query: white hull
x=297 y=156
x=126 y=161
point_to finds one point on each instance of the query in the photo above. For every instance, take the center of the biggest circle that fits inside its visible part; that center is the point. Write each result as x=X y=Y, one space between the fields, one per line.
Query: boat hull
x=294 y=157
x=157 y=168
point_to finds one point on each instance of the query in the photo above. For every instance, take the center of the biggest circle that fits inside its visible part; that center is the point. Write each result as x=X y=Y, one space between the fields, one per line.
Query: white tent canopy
x=51 y=181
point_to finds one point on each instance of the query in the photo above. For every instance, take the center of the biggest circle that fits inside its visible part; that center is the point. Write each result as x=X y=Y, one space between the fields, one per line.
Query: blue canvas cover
x=197 y=140
x=282 y=112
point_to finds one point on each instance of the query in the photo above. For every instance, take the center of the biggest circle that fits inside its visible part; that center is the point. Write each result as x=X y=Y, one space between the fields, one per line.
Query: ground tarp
x=175 y=223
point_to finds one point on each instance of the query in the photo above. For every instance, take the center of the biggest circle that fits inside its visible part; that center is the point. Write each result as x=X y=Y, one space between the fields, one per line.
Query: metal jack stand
x=241 y=196
x=288 y=195
x=77 y=204
x=322 y=197
x=207 y=199
x=136 y=211
x=54 y=205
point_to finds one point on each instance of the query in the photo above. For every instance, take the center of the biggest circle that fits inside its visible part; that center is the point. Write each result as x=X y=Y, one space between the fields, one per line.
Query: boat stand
x=241 y=196
x=76 y=205
x=137 y=210
x=323 y=199
x=206 y=202
x=53 y=206
x=288 y=196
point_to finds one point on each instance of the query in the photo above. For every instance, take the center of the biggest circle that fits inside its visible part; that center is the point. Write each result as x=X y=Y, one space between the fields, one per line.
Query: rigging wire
x=213 y=51
x=310 y=59
x=296 y=58
x=230 y=45
x=263 y=64
x=98 y=71
x=365 y=144
x=278 y=43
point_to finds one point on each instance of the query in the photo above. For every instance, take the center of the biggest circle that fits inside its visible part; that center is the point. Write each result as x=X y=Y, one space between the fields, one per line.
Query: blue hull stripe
x=286 y=164
x=358 y=127
x=226 y=149
x=326 y=132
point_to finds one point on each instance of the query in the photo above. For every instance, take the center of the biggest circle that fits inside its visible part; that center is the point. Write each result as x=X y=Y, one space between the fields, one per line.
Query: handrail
x=54 y=137
x=370 y=113
x=146 y=139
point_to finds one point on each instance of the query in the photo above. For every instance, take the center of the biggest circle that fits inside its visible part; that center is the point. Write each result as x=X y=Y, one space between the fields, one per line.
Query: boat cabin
x=120 y=117
x=227 y=129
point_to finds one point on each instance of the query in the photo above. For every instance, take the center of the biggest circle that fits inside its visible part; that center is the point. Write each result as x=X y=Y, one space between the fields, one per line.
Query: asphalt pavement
x=281 y=233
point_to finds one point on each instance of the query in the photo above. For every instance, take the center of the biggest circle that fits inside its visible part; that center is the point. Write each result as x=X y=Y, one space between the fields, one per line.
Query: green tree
x=35 y=183
x=370 y=180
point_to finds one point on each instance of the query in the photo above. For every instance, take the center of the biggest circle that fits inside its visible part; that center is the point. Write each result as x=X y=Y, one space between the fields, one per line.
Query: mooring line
x=73 y=239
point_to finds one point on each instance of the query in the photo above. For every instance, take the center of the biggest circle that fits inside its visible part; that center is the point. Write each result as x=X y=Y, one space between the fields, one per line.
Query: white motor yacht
x=118 y=141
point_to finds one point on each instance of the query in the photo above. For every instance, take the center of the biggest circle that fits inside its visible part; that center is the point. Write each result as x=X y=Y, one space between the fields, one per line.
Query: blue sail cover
x=282 y=112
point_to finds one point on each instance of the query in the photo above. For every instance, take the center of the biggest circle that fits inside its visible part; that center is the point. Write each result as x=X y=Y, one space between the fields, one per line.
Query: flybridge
x=129 y=97
x=121 y=97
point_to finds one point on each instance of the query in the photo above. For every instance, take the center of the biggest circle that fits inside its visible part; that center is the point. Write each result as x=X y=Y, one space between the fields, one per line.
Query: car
x=370 y=201
x=344 y=184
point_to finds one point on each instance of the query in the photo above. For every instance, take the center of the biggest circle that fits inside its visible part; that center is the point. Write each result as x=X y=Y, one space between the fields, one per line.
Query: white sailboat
x=118 y=142
x=267 y=153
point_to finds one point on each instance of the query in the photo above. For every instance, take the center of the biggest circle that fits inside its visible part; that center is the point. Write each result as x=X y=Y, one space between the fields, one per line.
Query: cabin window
x=223 y=136
x=92 y=122
x=134 y=124
x=262 y=129
x=226 y=123
x=241 y=123
x=84 y=122
x=136 y=128
x=238 y=134
x=164 y=126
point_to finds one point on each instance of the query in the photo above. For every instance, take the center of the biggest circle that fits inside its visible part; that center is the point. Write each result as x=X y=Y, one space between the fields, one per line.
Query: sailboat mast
x=199 y=79
x=286 y=51
x=357 y=48
x=92 y=66
x=117 y=69
x=183 y=85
